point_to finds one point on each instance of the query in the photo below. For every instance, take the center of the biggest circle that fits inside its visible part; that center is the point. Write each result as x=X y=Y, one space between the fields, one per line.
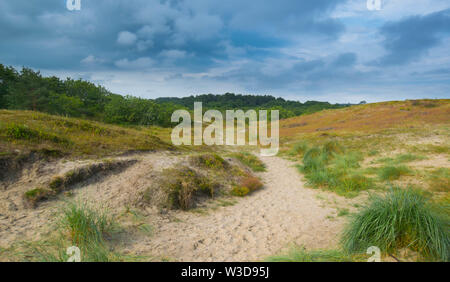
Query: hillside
x=27 y=131
x=370 y=117
x=30 y=90
x=151 y=201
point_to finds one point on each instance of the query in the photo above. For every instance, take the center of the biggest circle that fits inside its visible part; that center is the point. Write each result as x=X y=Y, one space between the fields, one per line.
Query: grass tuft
x=401 y=219
x=332 y=168
x=87 y=229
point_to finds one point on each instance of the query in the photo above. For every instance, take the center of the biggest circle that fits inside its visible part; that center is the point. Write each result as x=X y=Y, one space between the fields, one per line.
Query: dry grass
x=369 y=118
x=33 y=131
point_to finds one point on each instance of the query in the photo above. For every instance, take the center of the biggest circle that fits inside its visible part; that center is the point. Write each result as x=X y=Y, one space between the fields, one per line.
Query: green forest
x=28 y=89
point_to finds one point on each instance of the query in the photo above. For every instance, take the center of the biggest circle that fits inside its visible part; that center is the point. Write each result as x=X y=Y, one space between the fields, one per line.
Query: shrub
x=240 y=191
x=402 y=218
x=392 y=172
x=251 y=161
x=210 y=161
x=18 y=131
x=252 y=183
x=178 y=187
x=23 y=132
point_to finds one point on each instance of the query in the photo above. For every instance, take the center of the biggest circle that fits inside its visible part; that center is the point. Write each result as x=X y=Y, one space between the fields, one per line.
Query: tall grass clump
x=329 y=166
x=403 y=218
x=299 y=148
x=87 y=229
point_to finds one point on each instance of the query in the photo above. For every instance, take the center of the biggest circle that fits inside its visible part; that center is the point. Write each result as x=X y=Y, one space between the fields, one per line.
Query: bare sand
x=257 y=226
x=264 y=223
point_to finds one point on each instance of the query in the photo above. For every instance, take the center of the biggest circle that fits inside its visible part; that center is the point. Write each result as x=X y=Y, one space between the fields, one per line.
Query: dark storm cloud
x=409 y=39
x=115 y=34
x=290 y=46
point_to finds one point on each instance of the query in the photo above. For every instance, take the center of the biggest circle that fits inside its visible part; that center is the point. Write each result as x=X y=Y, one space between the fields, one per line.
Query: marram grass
x=403 y=218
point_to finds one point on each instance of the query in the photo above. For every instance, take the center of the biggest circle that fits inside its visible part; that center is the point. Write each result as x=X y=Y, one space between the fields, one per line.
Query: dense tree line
x=29 y=90
x=238 y=101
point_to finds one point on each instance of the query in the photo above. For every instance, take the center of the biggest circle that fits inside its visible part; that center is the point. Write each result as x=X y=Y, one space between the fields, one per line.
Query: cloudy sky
x=329 y=50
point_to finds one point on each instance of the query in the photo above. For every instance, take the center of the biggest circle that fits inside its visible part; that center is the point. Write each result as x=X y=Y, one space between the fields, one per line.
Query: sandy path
x=257 y=226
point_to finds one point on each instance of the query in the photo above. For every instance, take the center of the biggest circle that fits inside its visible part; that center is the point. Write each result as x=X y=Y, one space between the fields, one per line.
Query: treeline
x=29 y=90
x=237 y=101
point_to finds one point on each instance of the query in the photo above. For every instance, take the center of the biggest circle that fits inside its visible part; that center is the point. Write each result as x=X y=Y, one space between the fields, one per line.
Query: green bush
x=23 y=132
x=18 y=132
x=402 y=218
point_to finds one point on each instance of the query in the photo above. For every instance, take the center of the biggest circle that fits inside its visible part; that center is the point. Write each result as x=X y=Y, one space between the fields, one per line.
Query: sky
x=327 y=50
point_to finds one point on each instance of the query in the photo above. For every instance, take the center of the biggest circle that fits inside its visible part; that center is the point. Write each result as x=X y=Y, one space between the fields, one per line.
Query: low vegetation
x=29 y=90
x=251 y=161
x=208 y=161
x=176 y=189
x=403 y=218
x=184 y=187
x=34 y=196
x=390 y=172
x=330 y=167
x=247 y=185
x=27 y=131
x=439 y=180
x=79 y=225
x=70 y=178
x=299 y=254
x=402 y=158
